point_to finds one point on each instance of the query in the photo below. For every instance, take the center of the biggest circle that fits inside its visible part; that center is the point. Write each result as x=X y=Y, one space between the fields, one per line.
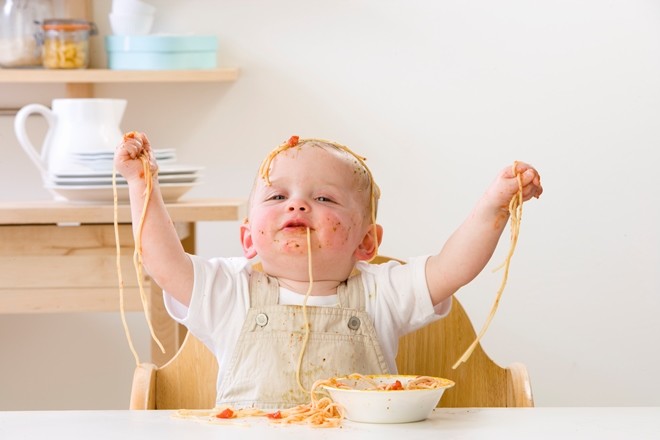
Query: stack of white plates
x=90 y=178
x=102 y=160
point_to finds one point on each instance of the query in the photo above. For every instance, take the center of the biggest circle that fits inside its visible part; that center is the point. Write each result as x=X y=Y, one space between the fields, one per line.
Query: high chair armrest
x=143 y=390
x=519 y=387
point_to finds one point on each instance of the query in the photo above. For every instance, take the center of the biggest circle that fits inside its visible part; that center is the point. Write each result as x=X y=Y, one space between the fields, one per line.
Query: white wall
x=439 y=96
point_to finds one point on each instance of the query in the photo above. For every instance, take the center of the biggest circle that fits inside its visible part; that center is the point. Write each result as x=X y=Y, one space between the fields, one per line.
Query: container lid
x=161 y=43
x=69 y=25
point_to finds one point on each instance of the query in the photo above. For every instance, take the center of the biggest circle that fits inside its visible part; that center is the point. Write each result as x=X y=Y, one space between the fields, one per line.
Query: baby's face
x=316 y=188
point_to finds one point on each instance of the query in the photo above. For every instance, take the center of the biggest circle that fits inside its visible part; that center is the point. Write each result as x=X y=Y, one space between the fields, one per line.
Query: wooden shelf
x=56 y=212
x=80 y=83
x=97 y=76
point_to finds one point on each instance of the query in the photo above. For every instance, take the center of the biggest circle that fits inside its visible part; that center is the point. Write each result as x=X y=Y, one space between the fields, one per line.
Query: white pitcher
x=74 y=126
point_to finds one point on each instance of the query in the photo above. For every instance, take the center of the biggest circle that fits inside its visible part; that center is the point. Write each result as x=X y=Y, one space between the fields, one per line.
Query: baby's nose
x=298 y=205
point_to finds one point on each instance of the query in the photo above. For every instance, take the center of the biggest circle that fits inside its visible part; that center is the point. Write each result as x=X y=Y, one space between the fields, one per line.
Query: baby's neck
x=319 y=287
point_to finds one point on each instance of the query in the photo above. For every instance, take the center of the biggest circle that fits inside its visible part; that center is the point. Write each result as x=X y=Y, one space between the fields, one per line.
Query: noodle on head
x=294 y=141
x=515 y=211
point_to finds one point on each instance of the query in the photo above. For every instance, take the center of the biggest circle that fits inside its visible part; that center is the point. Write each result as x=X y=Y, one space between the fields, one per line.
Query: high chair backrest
x=188 y=380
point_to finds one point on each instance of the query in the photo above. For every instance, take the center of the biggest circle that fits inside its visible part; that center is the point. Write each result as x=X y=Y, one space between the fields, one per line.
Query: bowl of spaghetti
x=387 y=398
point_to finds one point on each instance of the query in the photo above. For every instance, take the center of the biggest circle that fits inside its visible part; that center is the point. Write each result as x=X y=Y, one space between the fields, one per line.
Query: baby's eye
x=276 y=197
x=324 y=199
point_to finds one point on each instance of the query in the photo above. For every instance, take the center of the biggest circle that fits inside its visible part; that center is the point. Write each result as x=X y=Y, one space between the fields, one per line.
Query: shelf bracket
x=79 y=90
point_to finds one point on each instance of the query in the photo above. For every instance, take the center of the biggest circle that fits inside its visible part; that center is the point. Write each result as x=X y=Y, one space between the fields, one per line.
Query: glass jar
x=66 y=43
x=20 y=31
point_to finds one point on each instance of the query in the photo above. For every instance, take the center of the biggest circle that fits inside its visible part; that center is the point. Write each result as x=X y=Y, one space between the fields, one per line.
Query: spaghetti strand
x=515 y=212
x=304 y=309
x=120 y=278
x=137 y=253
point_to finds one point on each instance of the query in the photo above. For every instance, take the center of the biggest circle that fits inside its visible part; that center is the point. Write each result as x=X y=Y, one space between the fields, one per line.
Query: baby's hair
x=295 y=141
x=367 y=177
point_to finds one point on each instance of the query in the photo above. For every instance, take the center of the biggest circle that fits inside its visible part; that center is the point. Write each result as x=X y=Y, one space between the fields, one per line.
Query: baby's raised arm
x=471 y=246
x=162 y=252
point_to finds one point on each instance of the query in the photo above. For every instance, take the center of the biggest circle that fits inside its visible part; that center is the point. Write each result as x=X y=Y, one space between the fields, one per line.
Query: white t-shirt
x=397 y=300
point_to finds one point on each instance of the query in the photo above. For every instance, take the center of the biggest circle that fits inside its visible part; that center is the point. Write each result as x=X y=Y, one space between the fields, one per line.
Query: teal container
x=161 y=52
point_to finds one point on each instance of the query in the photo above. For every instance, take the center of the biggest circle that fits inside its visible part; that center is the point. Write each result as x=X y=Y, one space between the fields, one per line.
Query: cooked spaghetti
x=304 y=309
x=515 y=212
x=417 y=383
x=320 y=412
x=137 y=253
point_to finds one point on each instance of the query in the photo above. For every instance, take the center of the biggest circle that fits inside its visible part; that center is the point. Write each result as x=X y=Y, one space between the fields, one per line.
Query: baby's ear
x=368 y=247
x=246 y=240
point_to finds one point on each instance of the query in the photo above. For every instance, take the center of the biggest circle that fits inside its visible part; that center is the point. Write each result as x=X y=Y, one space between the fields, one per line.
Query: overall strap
x=350 y=293
x=264 y=290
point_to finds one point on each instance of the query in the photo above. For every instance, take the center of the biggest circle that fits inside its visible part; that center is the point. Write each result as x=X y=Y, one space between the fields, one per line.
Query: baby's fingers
x=140 y=137
x=135 y=144
x=132 y=142
x=132 y=147
x=531 y=182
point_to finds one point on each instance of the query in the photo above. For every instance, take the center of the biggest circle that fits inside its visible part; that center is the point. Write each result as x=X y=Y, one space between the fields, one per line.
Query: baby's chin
x=293 y=257
x=294 y=267
x=293 y=247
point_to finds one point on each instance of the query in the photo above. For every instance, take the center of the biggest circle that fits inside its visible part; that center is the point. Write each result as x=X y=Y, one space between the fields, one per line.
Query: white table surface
x=470 y=423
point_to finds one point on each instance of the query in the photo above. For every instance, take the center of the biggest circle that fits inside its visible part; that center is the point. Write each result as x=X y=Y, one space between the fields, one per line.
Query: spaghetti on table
x=321 y=412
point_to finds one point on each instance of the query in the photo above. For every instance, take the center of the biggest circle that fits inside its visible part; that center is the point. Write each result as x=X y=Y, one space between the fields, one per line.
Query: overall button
x=261 y=319
x=354 y=323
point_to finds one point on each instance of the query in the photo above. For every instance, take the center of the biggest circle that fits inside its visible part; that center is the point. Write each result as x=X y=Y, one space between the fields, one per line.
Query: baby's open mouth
x=296 y=225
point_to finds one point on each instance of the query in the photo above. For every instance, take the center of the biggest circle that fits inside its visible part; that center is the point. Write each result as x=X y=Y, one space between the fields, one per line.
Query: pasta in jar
x=66 y=44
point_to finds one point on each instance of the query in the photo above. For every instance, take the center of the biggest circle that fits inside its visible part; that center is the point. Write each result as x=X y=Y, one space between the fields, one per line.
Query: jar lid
x=69 y=24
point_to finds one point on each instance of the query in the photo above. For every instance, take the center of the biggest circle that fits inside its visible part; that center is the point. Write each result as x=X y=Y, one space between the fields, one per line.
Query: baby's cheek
x=339 y=233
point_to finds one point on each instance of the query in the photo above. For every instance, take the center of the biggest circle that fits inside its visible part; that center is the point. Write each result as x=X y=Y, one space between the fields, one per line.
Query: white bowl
x=377 y=406
x=131 y=24
x=132 y=7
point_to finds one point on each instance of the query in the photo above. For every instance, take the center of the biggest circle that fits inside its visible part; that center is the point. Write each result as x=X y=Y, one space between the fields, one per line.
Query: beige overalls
x=262 y=372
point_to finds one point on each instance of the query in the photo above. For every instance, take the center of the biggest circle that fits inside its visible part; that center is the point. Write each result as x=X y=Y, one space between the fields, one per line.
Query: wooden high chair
x=188 y=380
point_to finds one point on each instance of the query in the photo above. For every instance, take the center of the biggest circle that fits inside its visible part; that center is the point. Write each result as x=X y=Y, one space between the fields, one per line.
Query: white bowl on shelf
x=132 y=7
x=131 y=24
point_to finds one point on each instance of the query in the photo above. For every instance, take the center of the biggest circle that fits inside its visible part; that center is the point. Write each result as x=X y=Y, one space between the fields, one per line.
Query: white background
x=439 y=96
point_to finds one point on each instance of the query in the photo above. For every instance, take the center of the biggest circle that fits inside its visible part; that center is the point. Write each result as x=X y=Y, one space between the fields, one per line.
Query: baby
x=313 y=307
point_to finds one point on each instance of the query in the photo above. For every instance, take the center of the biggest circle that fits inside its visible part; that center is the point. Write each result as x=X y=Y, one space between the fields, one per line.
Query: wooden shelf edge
x=96 y=76
x=63 y=213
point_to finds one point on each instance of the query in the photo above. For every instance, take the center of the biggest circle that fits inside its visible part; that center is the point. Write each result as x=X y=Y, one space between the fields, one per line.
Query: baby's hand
x=506 y=186
x=128 y=156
